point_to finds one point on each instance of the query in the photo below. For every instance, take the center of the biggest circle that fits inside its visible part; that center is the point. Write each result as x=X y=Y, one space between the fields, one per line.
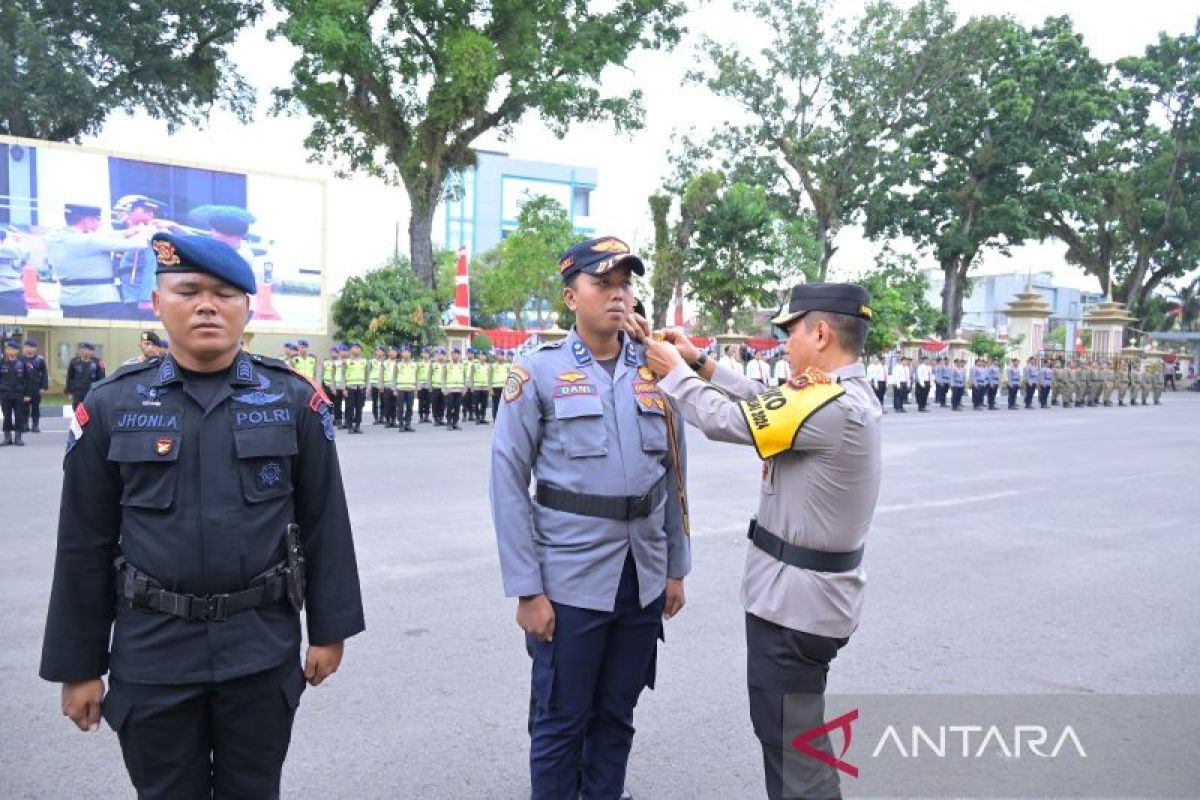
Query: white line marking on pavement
x=954 y=501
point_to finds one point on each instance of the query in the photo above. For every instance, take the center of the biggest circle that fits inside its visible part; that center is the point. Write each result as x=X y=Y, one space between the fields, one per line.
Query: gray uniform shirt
x=566 y=422
x=88 y=256
x=820 y=494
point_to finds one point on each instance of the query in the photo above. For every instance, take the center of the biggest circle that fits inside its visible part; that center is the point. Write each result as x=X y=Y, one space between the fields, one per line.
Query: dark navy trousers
x=207 y=740
x=586 y=683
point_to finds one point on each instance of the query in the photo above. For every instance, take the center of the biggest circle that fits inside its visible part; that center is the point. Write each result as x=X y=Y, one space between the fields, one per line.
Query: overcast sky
x=364 y=212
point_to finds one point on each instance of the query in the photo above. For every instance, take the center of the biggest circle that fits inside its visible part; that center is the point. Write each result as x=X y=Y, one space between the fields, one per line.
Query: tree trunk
x=824 y=246
x=952 y=294
x=420 y=242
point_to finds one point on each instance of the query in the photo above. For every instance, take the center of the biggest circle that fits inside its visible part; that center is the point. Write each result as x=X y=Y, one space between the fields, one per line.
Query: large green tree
x=65 y=66
x=402 y=88
x=1125 y=197
x=731 y=260
x=898 y=302
x=522 y=271
x=387 y=305
x=959 y=184
x=825 y=100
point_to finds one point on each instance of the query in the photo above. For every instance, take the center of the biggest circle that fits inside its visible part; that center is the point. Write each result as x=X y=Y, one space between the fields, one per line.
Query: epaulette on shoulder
x=547 y=346
x=129 y=369
x=271 y=361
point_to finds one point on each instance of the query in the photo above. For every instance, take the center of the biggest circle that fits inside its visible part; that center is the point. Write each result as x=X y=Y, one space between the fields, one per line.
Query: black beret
x=152 y=338
x=597 y=257
x=192 y=253
x=838 y=298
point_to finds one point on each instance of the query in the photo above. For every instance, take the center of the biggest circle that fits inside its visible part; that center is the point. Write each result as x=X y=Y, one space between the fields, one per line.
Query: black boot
x=36 y=428
x=18 y=442
x=7 y=440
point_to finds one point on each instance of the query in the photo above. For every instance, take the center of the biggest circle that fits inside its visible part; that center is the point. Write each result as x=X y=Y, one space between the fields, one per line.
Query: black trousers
x=481 y=403
x=14 y=414
x=939 y=394
x=206 y=740
x=956 y=396
x=991 y=394
x=922 y=396
x=1030 y=390
x=376 y=407
x=339 y=398
x=1043 y=395
x=423 y=403
x=389 y=406
x=438 y=401
x=404 y=406
x=899 y=393
x=880 y=390
x=453 y=402
x=356 y=398
x=1013 y=391
x=33 y=409
x=496 y=390
x=977 y=393
x=786 y=671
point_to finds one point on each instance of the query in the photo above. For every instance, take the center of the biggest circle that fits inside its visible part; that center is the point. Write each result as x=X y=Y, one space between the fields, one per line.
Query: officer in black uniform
x=16 y=387
x=84 y=370
x=202 y=507
x=41 y=379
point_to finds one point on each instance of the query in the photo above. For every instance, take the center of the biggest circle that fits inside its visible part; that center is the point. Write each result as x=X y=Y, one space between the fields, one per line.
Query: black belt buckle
x=214 y=608
x=638 y=507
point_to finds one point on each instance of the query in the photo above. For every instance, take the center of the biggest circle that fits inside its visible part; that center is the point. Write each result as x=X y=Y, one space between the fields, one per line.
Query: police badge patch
x=514 y=384
x=269 y=475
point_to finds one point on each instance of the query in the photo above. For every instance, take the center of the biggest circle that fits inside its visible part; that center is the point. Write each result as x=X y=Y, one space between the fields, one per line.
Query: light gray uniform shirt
x=819 y=494
x=566 y=422
x=88 y=256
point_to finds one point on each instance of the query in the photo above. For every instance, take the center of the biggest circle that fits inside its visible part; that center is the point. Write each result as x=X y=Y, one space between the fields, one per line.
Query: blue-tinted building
x=984 y=308
x=482 y=206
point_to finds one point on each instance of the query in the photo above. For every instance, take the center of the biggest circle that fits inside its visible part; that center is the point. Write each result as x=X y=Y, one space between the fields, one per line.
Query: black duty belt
x=802 y=557
x=146 y=594
x=602 y=505
x=85 y=281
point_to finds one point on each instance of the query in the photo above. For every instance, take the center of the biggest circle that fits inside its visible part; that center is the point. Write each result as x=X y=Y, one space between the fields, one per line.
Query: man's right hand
x=81 y=702
x=535 y=615
x=683 y=344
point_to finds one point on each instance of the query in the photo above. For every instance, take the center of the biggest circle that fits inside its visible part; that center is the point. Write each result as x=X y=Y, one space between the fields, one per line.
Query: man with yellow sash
x=819 y=439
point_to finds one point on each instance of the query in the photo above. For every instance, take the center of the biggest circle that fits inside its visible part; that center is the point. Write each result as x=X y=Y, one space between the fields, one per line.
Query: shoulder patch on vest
x=776 y=416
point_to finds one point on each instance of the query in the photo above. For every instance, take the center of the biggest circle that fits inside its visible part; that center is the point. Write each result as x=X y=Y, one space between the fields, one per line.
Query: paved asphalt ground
x=1052 y=551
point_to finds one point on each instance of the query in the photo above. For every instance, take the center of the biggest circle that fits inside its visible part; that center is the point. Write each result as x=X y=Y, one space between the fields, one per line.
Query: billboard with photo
x=75 y=225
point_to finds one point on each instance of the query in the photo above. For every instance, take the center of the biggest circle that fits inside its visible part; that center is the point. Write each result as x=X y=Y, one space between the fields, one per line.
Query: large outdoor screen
x=75 y=226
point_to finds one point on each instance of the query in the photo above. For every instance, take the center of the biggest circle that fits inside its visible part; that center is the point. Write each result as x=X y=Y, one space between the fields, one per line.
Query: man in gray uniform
x=599 y=555
x=82 y=259
x=819 y=438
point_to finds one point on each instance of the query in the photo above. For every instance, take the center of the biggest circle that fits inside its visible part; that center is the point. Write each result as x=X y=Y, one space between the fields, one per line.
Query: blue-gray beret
x=192 y=253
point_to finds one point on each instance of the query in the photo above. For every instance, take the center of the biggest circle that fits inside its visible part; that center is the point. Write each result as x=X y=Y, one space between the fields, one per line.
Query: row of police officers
x=440 y=387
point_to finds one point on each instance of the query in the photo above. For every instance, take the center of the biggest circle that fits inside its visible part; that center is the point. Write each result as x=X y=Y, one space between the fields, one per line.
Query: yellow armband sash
x=776 y=416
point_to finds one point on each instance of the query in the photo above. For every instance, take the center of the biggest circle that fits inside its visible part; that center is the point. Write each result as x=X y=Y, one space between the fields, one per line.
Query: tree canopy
x=387 y=305
x=402 y=89
x=66 y=66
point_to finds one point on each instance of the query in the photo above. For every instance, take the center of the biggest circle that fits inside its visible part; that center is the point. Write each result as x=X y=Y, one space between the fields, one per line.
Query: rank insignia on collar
x=244 y=371
x=166 y=372
x=583 y=356
x=163 y=445
x=571 y=377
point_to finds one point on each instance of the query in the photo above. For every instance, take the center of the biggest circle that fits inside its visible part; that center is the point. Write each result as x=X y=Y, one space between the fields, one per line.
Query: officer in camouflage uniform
x=1156 y=382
